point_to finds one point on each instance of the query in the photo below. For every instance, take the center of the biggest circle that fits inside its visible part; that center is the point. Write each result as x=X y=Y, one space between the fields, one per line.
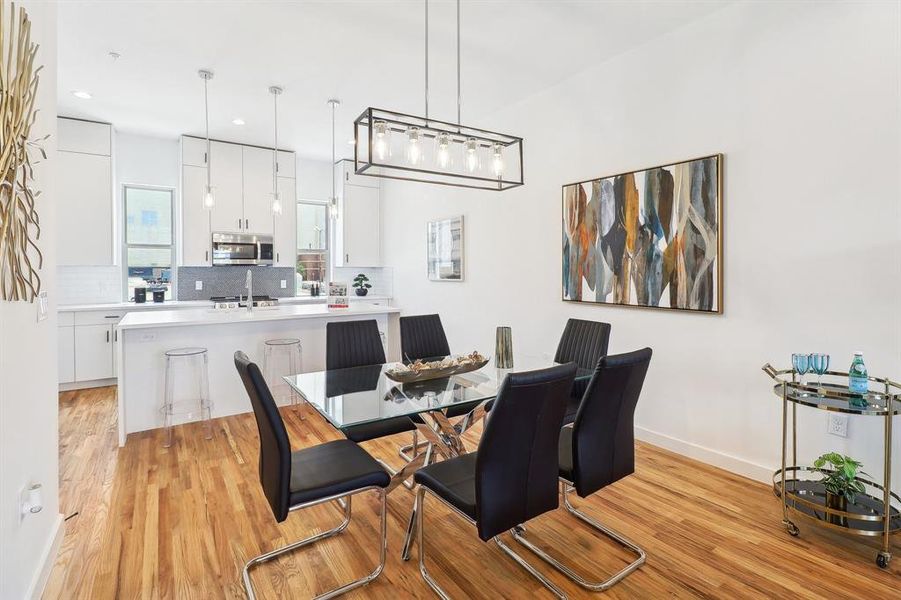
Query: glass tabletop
x=360 y=395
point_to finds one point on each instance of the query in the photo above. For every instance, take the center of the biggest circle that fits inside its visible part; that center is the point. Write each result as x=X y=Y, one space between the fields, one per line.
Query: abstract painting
x=650 y=238
x=445 y=249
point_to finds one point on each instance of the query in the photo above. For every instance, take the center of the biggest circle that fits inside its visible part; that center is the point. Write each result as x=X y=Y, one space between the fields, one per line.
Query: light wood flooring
x=150 y=522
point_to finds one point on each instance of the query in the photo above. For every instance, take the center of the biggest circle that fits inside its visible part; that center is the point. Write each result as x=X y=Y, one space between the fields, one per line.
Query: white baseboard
x=716 y=458
x=84 y=385
x=48 y=559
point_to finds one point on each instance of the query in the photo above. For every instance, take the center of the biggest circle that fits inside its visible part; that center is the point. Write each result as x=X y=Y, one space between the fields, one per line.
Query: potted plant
x=841 y=483
x=361 y=284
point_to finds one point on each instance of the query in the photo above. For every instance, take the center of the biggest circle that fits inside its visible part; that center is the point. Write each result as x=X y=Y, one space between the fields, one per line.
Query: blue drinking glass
x=801 y=364
x=819 y=364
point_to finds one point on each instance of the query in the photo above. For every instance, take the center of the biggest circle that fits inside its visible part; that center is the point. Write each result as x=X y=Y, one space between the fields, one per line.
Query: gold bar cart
x=876 y=513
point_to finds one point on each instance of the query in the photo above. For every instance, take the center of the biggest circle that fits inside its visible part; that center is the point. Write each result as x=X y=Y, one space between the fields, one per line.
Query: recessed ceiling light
x=237 y=121
x=82 y=94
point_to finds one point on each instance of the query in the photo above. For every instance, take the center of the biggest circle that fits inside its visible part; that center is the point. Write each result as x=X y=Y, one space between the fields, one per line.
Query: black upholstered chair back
x=275 y=447
x=353 y=344
x=583 y=342
x=516 y=466
x=603 y=432
x=422 y=337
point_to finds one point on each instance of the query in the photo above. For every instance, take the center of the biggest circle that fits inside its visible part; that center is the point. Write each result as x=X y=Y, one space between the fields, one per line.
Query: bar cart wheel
x=792 y=529
x=883 y=559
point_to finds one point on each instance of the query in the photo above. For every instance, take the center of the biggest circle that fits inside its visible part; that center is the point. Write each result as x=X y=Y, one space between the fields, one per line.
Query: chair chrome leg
x=528 y=567
x=411 y=524
x=420 y=519
x=248 y=586
x=589 y=585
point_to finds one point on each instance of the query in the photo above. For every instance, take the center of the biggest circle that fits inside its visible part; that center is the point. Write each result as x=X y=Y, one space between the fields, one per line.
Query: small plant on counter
x=361 y=283
x=840 y=479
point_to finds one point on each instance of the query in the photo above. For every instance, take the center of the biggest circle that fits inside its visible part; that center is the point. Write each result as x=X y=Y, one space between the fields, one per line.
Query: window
x=148 y=239
x=312 y=245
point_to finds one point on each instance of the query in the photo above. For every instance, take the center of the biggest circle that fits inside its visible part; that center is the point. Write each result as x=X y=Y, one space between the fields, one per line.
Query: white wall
x=28 y=399
x=803 y=100
x=314 y=179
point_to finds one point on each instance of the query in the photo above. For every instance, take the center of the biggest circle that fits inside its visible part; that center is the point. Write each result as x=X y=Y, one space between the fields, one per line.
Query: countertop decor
x=20 y=225
x=873 y=510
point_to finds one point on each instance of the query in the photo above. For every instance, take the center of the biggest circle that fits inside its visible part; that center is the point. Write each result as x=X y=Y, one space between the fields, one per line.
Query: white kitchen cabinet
x=344 y=172
x=241 y=177
x=84 y=194
x=287 y=166
x=86 y=137
x=196 y=233
x=358 y=239
x=84 y=208
x=93 y=352
x=193 y=151
x=286 y=225
x=66 y=353
x=258 y=166
x=226 y=175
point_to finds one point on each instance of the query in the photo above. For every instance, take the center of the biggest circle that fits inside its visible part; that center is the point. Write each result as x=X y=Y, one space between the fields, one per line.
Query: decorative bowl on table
x=422 y=371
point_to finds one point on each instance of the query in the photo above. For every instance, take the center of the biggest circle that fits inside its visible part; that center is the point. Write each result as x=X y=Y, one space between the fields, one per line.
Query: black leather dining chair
x=422 y=337
x=599 y=449
x=351 y=344
x=584 y=343
x=512 y=477
x=293 y=480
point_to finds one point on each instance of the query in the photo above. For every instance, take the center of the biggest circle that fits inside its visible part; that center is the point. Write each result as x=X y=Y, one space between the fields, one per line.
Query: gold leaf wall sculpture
x=20 y=228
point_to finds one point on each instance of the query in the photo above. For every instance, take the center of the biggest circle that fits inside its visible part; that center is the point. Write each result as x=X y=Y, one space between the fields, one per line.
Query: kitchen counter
x=180 y=304
x=210 y=316
x=145 y=336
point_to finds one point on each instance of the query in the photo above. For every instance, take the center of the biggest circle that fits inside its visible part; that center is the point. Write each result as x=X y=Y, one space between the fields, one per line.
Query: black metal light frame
x=429 y=129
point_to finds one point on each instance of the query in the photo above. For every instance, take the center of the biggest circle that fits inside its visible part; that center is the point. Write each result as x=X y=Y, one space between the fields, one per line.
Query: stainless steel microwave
x=242 y=249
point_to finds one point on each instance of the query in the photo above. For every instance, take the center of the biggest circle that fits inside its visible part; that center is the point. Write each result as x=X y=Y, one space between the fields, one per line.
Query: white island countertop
x=183 y=304
x=210 y=316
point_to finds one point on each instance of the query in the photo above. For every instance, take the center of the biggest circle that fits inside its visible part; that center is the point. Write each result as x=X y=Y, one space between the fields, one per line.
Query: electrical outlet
x=284 y=283
x=198 y=286
x=837 y=424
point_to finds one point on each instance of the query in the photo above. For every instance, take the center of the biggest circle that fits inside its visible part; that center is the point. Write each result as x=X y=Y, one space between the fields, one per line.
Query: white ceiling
x=365 y=52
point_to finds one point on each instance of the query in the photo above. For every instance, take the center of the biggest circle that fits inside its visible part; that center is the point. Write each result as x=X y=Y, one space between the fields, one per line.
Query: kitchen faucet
x=249 y=285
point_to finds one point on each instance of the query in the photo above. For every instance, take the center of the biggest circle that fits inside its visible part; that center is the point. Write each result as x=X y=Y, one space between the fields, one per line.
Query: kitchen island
x=144 y=337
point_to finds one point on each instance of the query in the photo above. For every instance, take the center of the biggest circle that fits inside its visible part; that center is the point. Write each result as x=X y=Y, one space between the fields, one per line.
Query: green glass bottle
x=857 y=381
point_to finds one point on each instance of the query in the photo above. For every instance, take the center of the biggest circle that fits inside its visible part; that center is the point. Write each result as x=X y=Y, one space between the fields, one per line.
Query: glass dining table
x=360 y=396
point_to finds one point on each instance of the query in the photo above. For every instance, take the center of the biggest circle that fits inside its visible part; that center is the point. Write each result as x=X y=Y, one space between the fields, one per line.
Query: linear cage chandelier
x=396 y=145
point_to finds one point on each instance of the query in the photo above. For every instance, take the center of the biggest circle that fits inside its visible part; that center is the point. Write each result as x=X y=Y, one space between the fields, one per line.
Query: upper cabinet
x=357 y=229
x=241 y=178
x=226 y=176
x=85 y=196
x=258 y=166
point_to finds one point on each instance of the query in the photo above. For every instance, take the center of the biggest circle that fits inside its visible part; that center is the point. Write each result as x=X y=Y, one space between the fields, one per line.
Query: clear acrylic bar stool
x=281 y=357
x=193 y=406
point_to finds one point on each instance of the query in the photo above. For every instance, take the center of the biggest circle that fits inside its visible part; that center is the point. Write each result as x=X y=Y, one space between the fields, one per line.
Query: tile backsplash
x=229 y=281
x=89 y=285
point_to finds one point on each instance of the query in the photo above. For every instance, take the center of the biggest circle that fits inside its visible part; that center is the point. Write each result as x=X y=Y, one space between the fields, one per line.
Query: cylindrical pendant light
x=209 y=197
x=276 y=205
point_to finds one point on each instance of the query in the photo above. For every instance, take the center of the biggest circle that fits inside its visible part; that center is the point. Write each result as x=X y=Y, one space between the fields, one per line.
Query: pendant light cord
x=334 y=191
x=427 y=59
x=459 y=120
x=275 y=152
x=206 y=112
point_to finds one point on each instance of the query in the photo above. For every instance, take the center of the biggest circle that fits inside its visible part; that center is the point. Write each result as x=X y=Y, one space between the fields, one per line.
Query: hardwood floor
x=151 y=522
